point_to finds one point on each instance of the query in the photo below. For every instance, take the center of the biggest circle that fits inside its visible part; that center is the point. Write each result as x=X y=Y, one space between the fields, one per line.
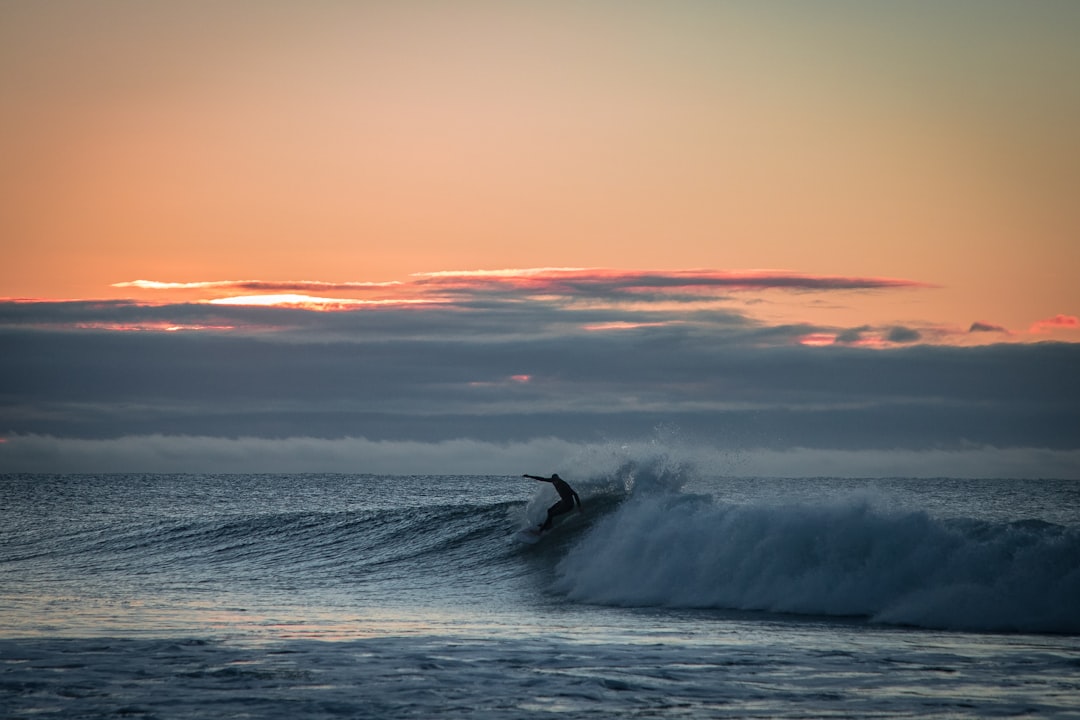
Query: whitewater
x=674 y=593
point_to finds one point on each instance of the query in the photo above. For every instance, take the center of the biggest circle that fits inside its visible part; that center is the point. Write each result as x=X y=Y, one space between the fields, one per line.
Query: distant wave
x=849 y=558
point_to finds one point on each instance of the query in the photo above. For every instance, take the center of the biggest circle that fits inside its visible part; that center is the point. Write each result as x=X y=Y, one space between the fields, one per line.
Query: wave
x=849 y=558
x=643 y=540
x=334 y=547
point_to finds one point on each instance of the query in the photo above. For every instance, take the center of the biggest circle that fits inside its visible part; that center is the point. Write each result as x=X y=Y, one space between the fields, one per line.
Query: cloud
x=508 y=357
x=258 y=285
x=1058 y=322
x=980 y=462
x=605 y=278
x=902 y=335
x=164 y=454
x=626 y=284
x=539 y=301
x=200 y=454
x=731 y=382
x=852 y=335
x=866 y=336
x=982 y=327
x=312 y=302
x=567 y=283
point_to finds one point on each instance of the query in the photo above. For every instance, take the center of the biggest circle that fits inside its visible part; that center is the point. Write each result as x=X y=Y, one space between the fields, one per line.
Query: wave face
x=848 y=558
x=185 y=539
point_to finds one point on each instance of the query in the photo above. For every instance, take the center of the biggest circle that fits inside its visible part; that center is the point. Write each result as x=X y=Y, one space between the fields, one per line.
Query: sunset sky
x=825 y=237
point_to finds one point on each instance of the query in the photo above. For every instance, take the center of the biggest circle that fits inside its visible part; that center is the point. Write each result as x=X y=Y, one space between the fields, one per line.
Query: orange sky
x=361 y=142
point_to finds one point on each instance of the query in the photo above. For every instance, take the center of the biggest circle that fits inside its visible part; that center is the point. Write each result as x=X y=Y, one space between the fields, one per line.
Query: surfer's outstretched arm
x=537 y=477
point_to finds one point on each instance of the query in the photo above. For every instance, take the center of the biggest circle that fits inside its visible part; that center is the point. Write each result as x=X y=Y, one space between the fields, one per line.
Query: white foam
x=845 y=558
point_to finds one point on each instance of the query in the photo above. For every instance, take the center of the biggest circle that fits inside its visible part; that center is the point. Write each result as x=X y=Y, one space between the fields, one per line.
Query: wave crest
x=849 y=558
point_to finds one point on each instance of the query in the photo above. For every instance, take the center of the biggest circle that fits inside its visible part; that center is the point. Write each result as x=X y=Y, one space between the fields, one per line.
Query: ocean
x=672 y=594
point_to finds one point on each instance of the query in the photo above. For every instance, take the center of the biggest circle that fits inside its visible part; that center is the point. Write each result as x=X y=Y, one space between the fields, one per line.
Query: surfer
x=567 y=498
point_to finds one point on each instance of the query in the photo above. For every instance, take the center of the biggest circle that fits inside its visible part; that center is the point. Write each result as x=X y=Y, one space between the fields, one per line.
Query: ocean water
x=673 y=594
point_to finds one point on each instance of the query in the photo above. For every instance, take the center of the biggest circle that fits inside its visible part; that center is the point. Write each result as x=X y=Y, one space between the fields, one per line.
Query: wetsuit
x=567 y=498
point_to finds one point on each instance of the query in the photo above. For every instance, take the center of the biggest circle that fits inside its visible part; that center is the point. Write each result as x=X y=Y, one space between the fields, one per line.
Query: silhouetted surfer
x=567 y=498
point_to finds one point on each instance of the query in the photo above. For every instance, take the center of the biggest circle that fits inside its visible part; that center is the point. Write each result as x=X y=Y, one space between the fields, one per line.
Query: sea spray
x=606 y=474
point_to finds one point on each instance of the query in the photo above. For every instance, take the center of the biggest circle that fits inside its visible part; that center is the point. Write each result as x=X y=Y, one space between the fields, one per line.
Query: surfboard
x=529 y=536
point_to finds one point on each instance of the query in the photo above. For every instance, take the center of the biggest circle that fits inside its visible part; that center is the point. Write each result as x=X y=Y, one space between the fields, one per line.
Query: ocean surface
x=673 y=594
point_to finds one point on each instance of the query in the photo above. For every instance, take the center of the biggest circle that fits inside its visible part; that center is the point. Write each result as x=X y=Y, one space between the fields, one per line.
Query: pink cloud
x=1058 y=322
x=598 y=281
x=602 y=285
x=311 y=302
x=262 y=285
x=817 y=339
x=623 y=325
x=150 y=327
x=512 y=379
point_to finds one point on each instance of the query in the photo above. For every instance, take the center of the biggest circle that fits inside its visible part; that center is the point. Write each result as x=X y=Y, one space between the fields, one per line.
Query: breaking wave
x=849 y=558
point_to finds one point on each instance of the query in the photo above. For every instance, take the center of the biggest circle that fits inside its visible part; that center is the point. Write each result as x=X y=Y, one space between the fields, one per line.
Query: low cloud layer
x=567 y=356
x=184 y=454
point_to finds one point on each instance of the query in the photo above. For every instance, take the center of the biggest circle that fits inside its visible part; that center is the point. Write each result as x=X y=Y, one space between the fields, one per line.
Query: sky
x=777 y=238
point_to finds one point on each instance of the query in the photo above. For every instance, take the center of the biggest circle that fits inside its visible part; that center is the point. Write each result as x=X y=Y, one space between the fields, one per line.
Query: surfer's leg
x=551 y=513
x=557 y=509
x=547 y=521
